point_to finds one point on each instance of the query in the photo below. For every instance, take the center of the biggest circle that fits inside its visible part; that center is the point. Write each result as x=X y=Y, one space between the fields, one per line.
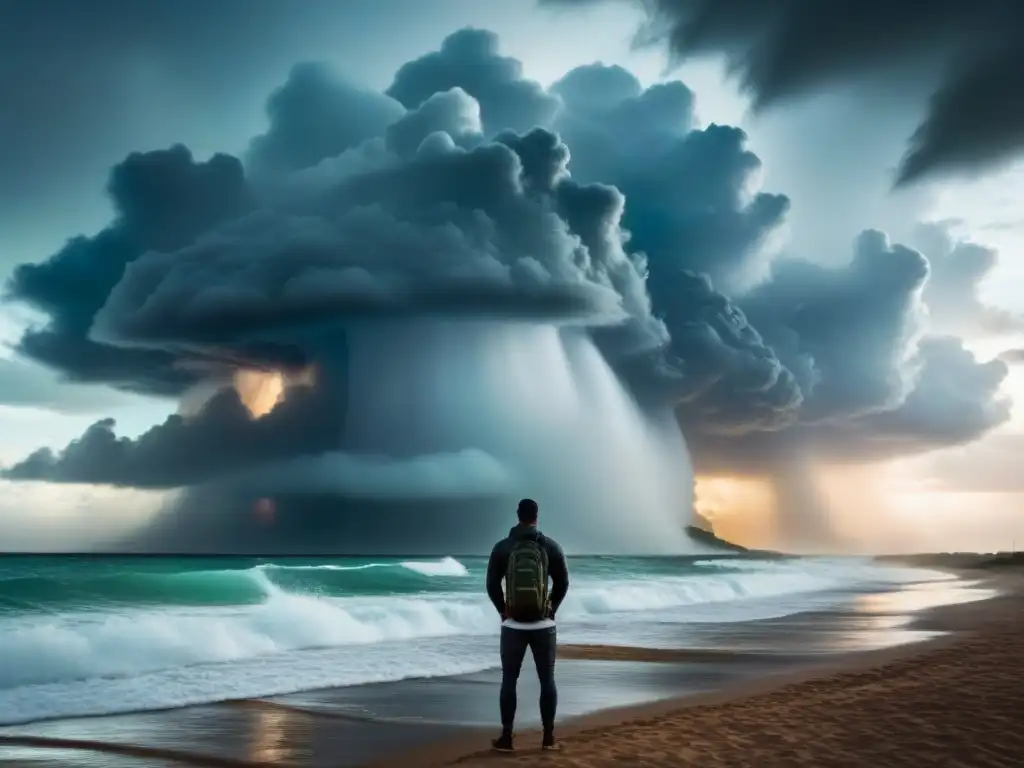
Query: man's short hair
x=527 y=511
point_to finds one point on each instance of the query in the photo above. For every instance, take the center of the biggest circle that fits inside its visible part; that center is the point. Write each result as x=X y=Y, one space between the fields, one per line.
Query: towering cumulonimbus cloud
x=314 y=115
x=462 y=242
x=692 y=201
x=470 y=59
x=848 y=361
x=875 y=383
x=690 y=210
x=968 y=55
x=427 y=222
x=829 y=363
x=479 y=232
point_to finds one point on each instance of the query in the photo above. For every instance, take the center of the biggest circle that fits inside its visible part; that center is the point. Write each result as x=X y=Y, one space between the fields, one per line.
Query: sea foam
x=126 y=659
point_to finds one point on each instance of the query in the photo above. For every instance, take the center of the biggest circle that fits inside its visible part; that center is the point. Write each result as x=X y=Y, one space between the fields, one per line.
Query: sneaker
x=549 y=743
x=503 y=743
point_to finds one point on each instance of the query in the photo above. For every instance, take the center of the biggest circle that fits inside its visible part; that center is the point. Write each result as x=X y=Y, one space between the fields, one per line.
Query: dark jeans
x=542 y=643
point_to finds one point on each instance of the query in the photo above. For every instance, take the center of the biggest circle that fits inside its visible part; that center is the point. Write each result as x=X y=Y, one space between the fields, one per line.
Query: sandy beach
x=953 y=700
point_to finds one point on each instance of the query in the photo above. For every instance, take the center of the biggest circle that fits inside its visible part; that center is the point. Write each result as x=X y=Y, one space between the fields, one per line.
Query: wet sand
x=779 y=692
x=952 y=701
x=349 y=726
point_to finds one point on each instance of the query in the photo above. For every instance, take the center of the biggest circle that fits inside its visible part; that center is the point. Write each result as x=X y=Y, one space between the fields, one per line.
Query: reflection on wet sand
x=270 y=736
x=921 y=597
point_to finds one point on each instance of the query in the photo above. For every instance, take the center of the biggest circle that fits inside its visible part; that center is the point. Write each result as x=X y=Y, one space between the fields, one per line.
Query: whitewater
x=89 y=635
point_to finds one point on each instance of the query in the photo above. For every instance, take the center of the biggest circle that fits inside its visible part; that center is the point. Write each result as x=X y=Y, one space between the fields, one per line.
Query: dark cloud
x=871 y=386
x=691 y=209
x=453 y=113
x=844 y=332
x=498 y=230
x=68 y=351
x=811 y=346
x=732 y=382
x=405 y=223
x=976 y=118
x=968 y=52
x=316 y=115
x=953 y=399
x=470 y=59
x=688 y=208
x=221 y=439
x=690 y=197
x=604 y=104
x=213 y=519
x=455 y=204
x=163 y=200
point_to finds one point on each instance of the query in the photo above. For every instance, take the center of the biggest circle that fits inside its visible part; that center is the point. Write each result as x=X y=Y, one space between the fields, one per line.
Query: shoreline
x=402 y=743
x=958 y=623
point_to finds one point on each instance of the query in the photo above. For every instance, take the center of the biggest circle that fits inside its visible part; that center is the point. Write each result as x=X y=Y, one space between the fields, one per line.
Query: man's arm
x=496 y=567
x=558 y=569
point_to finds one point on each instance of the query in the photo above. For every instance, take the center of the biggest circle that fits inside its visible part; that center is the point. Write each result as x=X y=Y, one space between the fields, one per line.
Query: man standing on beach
x=525 y=560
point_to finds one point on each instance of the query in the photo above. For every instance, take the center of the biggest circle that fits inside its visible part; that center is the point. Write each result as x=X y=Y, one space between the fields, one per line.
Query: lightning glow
x=261 y=390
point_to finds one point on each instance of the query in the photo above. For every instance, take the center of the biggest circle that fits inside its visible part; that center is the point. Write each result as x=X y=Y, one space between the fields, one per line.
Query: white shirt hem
x=544 y=624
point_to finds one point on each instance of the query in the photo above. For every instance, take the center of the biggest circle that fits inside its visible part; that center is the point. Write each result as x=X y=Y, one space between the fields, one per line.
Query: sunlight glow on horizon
x=741 y=509
x=38 y=516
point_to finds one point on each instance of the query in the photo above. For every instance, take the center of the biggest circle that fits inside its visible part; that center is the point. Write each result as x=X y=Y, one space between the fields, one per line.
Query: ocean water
x=90 y=635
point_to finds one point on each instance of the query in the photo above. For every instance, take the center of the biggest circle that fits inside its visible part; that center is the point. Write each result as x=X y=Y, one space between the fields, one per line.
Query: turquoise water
x=93 y=635
x=97 y=584
x=91 y=583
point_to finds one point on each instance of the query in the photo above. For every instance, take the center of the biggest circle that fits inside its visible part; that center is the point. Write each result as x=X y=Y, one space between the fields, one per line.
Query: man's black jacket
x=498 y=564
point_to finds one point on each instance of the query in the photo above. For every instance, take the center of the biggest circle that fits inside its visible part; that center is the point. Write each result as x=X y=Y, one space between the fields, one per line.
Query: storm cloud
x=692 y=200
x=954 y=399
x=875 y=382
x=221 y=439
x=470 y=59
x=317 y=114
x=449 y=231
x=845 y=332
x=163 y=200
x=693 y=209
x=731 y=381
x=967 y=54
x=467 y=192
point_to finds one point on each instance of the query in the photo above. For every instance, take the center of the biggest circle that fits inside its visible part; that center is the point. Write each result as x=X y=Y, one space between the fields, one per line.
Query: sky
x=881 y=368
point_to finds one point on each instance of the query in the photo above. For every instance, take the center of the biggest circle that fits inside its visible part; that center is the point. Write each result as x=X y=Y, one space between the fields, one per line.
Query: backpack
x=526 y=581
